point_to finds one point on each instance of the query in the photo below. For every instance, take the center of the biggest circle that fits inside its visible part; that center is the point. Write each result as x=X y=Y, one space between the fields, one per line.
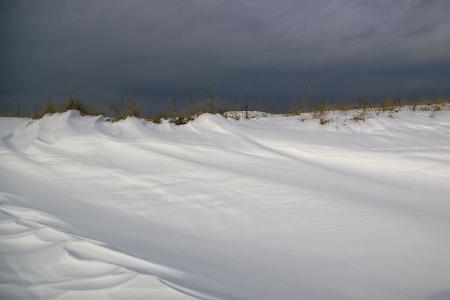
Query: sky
x=158 y=49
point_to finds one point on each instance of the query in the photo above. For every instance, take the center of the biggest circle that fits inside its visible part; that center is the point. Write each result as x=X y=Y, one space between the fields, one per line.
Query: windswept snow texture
x=268 y=208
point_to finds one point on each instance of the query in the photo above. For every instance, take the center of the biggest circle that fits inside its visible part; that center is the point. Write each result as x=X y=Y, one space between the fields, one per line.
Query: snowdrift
x=269 y=208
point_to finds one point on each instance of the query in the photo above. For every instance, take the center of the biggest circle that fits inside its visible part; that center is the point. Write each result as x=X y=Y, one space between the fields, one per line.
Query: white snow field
x=268 y=208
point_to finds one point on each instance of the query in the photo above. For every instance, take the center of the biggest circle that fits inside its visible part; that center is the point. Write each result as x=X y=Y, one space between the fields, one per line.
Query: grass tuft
x=237 y=109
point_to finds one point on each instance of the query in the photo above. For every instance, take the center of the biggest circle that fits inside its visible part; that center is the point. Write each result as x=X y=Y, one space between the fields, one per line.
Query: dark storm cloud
x=254 y=47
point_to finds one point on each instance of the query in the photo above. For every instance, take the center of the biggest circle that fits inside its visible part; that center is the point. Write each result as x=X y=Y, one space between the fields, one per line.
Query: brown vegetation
x=236 y=109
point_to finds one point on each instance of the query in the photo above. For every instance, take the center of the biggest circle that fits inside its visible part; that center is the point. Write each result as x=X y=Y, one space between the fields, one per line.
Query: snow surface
x=268 y=208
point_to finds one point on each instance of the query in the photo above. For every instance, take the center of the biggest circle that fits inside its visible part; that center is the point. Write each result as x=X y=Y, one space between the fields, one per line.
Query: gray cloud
x=158 y=48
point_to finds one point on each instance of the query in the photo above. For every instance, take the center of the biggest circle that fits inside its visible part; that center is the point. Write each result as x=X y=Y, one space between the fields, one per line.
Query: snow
x=267 y=208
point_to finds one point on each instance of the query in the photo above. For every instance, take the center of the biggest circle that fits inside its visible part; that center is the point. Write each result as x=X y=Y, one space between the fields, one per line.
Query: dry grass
x=237 y=109
x=131 y=110
x=359 y=117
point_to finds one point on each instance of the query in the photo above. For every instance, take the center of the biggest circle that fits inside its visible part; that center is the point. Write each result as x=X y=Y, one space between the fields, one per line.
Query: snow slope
x=269 y=208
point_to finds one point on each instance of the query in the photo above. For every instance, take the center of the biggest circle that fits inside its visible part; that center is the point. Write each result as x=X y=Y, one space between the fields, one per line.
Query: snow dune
x=268 y=208
x=38 y=261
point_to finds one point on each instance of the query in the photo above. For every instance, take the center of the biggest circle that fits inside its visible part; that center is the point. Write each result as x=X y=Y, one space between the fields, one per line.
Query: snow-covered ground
x=269 y=208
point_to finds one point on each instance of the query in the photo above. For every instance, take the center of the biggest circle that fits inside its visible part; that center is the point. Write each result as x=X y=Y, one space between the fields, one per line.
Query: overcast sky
x=250 y=48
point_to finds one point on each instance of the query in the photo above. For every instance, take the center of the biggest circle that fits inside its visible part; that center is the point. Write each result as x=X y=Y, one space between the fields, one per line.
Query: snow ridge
x=38 y=261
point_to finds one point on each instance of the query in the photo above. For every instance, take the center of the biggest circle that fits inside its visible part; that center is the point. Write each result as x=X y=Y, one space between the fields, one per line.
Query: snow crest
x=38 y=261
